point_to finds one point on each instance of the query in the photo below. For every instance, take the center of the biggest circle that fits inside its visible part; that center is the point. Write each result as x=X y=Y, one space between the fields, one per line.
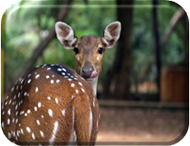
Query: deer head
x=88 y=49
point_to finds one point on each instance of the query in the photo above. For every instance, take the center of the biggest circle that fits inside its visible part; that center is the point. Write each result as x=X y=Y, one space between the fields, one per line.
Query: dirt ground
x=141 y=125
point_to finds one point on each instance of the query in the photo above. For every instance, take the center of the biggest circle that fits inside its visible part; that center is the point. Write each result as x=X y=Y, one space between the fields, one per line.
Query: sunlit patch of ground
x=141 y=125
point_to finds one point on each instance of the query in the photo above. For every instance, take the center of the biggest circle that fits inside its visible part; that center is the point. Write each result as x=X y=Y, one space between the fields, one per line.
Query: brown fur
x=63 y=92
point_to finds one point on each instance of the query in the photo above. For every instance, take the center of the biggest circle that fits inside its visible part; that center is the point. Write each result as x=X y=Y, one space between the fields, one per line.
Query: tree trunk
x=122 y=84
x=156 y=44
x=122 y=61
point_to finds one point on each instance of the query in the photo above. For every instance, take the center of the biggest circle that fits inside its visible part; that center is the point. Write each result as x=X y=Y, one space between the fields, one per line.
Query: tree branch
x=174 y=21
x=42 y=46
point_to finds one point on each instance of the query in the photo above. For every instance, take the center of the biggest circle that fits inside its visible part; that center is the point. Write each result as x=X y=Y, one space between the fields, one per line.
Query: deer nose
x=87 y=71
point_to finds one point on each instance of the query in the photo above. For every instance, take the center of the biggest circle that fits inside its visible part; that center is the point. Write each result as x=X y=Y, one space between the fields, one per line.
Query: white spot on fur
x=33 y=136
x=43 y=65
x=9 y=112
x=22 y=112
x=35 y=108
x=10 y=101
x=64 y=69
x=16 y=113
x=12 y=89
x=93 y=102
x=63 y=112
x=37 y=76
x=28 y=129
x=39 y=104
x=8 y=121
x=9 y=135
x=82 y=90
x=72 y=97
x=22 y=81
x=29 y=81
x=54 y=132
x=18 y=132
x=59 y=69
x=73 y=136
x=56 y=100
x=2 y=124
x=90 y=124
x=18 y=94
x=21 y=130
x=47 y=77
x=50 y=112
x=25 y=93
x=17 y=87
x=52 y=81
x=80 y=83
x=28 y=111
x=13 y=133
x=57 y=81
x=36 y=90
x=38 y=122
x=42 y=134
x=72 y=85
x=7 y=97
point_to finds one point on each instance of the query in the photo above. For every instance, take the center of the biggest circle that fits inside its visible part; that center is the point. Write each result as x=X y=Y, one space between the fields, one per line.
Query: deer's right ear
x=65 y=35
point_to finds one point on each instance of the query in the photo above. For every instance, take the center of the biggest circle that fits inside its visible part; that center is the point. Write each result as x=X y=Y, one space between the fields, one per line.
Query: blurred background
x=143 y=89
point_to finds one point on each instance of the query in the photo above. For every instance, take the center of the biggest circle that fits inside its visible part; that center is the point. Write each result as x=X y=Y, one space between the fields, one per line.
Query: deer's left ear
x=111 y=34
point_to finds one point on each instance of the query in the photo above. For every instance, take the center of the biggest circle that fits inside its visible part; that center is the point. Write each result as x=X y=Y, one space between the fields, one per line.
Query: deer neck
x=93 y=84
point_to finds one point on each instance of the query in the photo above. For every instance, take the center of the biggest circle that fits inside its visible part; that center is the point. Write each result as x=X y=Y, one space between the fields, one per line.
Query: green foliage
x=143 y=53
x=22 y=34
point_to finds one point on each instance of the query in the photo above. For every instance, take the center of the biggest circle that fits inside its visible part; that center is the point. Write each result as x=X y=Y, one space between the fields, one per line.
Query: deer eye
x=76 y=50
x=100 y=50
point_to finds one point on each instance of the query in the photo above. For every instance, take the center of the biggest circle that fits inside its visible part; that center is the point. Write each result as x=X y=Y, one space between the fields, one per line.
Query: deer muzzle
x=88 y=73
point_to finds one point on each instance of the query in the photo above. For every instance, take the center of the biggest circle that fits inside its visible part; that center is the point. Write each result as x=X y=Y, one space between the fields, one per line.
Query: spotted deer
x=52 y=104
